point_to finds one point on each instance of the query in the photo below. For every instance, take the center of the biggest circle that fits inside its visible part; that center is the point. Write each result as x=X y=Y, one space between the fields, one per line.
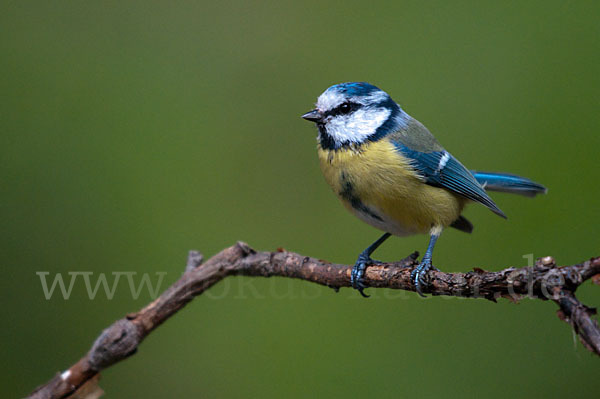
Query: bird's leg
x=364 y=259
x=417 y=274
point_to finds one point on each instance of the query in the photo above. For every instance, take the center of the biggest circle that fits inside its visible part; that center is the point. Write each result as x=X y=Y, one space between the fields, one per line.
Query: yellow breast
x=377 y=184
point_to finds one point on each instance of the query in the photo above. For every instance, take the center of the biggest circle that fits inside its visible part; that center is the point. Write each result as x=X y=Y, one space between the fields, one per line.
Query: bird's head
x=352 y=113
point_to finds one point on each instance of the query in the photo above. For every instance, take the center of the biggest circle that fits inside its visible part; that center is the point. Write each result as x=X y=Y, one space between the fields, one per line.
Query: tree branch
x=544 y=281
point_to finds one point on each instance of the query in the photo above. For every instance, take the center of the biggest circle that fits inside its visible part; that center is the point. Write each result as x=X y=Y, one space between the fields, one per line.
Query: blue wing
x=441 y=169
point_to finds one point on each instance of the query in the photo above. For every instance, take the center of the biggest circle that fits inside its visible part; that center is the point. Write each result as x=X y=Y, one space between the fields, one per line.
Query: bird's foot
x=358 y=272
x=419 y=272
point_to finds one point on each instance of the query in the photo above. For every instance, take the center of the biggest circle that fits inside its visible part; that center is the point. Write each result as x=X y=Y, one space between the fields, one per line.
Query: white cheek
x=355 y=128
x=364 y=123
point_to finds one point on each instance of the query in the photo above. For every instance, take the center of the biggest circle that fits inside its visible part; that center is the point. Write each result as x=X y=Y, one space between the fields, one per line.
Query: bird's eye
x=345 y=108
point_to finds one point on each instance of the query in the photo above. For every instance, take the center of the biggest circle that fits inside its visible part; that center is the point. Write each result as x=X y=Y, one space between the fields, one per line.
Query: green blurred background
x=133 y=131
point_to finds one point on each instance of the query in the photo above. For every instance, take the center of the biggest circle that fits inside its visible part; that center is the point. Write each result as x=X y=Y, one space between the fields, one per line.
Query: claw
x=364 y=259
x=416 y=275
x=358 y=272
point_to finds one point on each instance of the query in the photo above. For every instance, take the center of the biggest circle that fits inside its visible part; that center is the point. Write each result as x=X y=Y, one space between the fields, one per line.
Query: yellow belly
x=392 y=196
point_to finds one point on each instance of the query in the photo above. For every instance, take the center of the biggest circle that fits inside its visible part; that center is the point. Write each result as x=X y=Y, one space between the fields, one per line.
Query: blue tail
x=508 y=183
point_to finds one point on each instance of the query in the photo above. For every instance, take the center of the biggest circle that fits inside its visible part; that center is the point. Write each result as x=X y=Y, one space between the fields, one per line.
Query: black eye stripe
x=343 y=109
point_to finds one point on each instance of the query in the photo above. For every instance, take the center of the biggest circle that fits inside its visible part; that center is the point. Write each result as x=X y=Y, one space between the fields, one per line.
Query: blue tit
x=389 y=171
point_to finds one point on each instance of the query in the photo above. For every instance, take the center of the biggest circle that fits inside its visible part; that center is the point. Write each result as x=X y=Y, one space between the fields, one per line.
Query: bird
x=390 y=171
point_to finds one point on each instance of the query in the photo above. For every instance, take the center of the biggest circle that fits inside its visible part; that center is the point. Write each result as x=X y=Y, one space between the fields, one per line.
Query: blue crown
x=354 y=88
